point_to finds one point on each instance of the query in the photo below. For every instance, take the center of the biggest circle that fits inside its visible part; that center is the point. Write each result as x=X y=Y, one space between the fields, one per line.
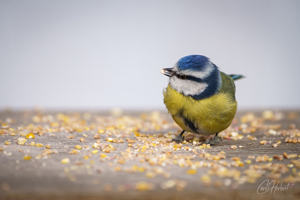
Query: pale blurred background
x=105 y=54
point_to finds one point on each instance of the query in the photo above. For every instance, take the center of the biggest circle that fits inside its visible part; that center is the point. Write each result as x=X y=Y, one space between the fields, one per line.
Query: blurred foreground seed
x=65 y=161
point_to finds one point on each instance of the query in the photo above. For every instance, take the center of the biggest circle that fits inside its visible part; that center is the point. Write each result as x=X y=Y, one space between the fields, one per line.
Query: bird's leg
x=179 y=138
x=214 y=141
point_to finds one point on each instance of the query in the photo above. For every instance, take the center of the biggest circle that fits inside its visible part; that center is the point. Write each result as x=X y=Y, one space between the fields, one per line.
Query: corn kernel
x=106 y=150
x=96 y=145
x=217 y=158
x=30 y=136
x=141 y=169
x=7 y=143
x=118 y=168
x=275 y=145
x=102 y=155
x=86 y=157
x=70 y=137
x=278 y=157
x=110 y=128
x=268 y=114
x=137 y=134
x=292 y=156
x=205 y=178
x=240 y=164
x=73 y=151
x=235 y=158
x=54 y=124
x=21 y=141
x=295 y=140
x=100 y=131
x=143 y=186
x=191 y=171
x=39 y=145
x=109 y=139
x=78 y=147
x=263 y=142
x=95 y=151
x=27 y=157
x=150 y=174
x=65 y=161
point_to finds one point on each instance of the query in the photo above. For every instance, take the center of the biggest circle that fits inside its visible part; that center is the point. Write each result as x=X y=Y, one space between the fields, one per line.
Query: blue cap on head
x=192 y=62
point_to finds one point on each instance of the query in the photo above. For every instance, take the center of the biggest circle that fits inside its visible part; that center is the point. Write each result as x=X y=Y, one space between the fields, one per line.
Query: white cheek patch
x=187 y=87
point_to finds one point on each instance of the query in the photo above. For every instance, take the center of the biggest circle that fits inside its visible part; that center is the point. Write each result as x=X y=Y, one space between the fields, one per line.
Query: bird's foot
x=179 y=138
x=213 y=141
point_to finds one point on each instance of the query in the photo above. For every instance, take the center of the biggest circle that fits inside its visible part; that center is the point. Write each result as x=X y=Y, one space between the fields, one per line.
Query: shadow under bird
x=200 y=98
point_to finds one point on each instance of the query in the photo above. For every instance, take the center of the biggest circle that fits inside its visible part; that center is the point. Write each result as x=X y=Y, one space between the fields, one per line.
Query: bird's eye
x=181 y=76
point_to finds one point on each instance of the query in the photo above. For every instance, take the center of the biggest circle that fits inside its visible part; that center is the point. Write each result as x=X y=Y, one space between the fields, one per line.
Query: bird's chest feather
x=205 y=116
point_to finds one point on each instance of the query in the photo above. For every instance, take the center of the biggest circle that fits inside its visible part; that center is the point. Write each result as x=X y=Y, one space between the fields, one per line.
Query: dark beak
x=167 y=71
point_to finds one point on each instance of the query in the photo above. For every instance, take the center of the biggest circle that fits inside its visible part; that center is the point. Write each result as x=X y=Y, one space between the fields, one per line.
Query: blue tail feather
x=236 y=76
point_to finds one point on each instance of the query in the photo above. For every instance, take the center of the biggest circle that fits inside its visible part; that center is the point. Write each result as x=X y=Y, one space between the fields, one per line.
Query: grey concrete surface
x=48 y=178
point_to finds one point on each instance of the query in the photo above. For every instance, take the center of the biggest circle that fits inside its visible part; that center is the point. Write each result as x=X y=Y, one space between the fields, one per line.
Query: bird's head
x=195 y=76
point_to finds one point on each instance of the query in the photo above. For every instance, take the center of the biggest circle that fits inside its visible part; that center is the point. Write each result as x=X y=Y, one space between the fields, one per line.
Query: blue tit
x=200 y=98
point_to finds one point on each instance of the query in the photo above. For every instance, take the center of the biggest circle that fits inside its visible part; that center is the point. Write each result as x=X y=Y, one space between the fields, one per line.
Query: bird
x=200 y=97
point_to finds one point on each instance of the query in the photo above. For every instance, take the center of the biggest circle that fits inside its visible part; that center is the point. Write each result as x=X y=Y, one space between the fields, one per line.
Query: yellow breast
x=206 y=116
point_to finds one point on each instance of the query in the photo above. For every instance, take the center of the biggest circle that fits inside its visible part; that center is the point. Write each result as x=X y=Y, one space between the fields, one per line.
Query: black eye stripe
x=188 y=77
x=181 y=76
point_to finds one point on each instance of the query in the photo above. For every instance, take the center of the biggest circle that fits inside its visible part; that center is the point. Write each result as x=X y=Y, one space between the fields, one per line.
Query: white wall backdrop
x=104 y=54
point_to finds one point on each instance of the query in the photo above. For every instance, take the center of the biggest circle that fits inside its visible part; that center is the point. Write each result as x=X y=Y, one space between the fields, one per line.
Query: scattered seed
x=278 y=157
x=39 y=145
x=236 y=158
x=263 y=142
x=65 y=161
x=30 y=136
x=70 y=137
x=27 y=157
x=21 y=141
x=144 y=186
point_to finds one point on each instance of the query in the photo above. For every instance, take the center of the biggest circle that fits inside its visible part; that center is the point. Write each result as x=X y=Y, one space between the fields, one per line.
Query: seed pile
x=143 y=145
